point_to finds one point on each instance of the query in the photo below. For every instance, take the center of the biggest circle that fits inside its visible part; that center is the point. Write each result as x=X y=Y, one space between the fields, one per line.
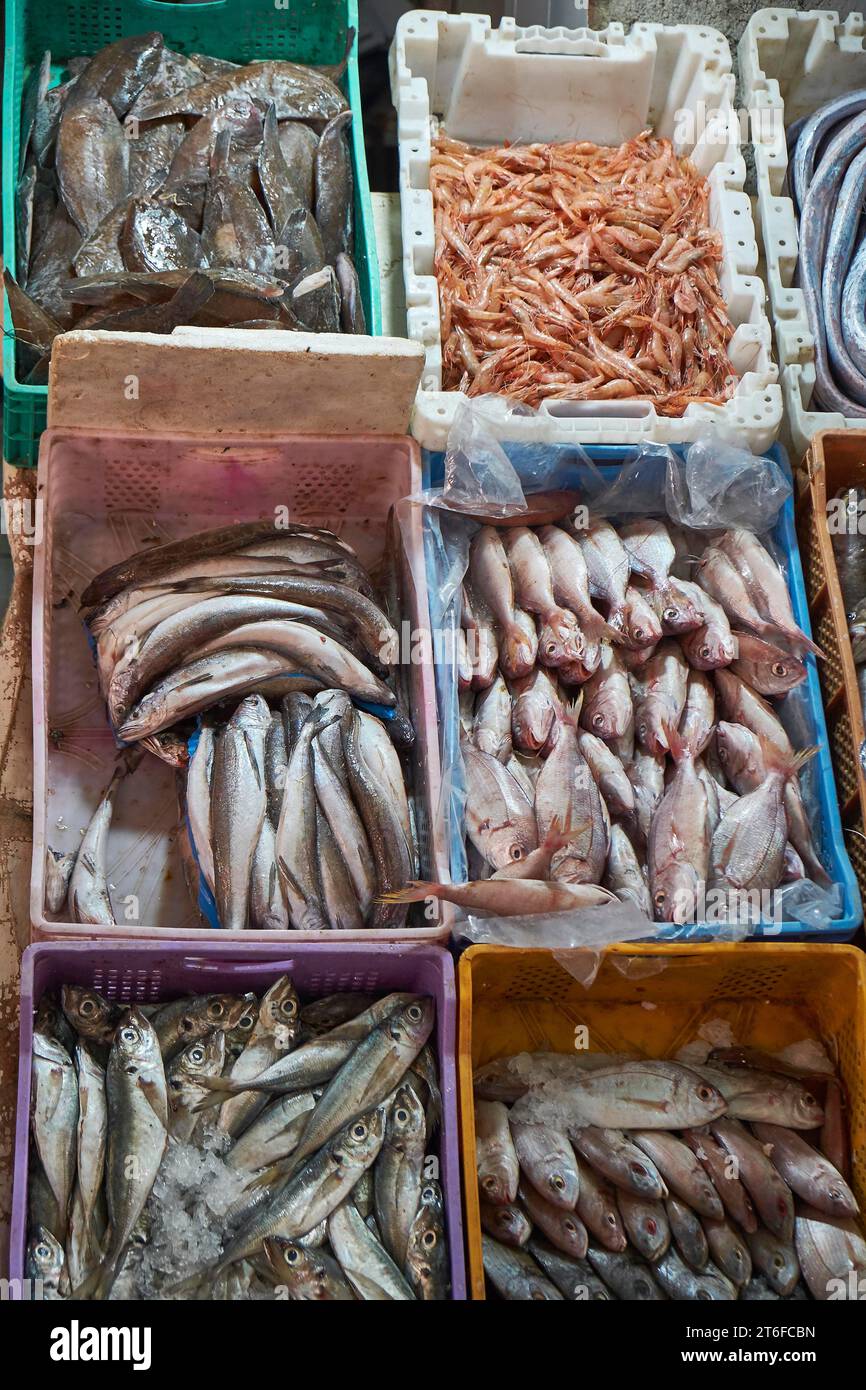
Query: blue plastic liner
x=817 y=776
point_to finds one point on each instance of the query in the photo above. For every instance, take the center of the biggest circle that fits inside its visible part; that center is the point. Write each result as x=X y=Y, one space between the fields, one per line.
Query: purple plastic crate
x=149 y=971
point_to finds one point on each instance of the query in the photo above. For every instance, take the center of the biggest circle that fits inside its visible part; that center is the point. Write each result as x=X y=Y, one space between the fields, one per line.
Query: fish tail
x=414 y=892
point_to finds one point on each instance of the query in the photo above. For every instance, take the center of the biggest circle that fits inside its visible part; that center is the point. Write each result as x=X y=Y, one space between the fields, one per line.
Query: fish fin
x=679 y=746
x=251 y=754
x=797 y=638
x=414 y=892
x=613 y=635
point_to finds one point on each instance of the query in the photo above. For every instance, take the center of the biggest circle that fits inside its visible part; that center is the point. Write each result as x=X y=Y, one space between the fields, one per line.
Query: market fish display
x=155 y=192
x=576 y=272
x=260 y=664
x=318 y=1191
x=827 y=174
x=617 y=734
x=603 y=1178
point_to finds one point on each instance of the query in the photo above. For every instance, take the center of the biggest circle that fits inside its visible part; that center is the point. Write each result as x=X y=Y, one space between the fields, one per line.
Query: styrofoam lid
x=234 y=381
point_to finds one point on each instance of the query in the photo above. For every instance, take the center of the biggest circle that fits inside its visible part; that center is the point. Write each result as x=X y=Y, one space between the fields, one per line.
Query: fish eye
x=428 y=1240
x=489 y=1183
x=401 y=1115
x=414 y=1012
x=552 y=648
x=217 y=1009
x=516 y=853
x=570 y=1227
x=706 y=652
x=597 y=721
x=639 y=1169
x=809 y=1099
x=291 y=1256
x=246 y=1021
x=660 y=898
x=651 y=1226
x=197 y=1055
x=43 y=1252
x=290 y=1007
x=778 y=669
x=428 y=1195
x=88 y=1007
x=722 y=751
x=705 y=1093
x=670 y=614
x=359 y=1131
x=129 y=1034
x=558 y=1181
x=643 y=1288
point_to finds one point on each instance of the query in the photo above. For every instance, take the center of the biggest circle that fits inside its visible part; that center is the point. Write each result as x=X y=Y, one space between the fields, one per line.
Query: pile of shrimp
x=579 y=272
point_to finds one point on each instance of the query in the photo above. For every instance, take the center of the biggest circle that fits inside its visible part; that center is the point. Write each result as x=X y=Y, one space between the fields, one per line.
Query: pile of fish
x=578 y=272
x=668 y=770
x=295 y=815
x=827 y=173
x=180 y=626
x=310 y=1181
x=651 y=1180
x=158 y=188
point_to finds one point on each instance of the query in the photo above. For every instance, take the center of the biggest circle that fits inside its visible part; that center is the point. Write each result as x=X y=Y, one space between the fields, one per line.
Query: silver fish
x=54 y=1120
x=514 y=1273
x=203 y=1057
x=58 y=872
x=366 y=1264
x=274 y=1033
x=398 y=1171
x=137 y=1125
x=238 y=807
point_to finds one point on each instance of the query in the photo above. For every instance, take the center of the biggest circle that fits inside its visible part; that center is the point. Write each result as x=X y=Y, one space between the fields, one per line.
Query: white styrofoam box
x=791 y=63
x=488 y=86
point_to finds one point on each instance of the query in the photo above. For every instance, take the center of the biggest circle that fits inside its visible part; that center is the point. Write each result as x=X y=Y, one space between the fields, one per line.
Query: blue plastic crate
x=830 y=841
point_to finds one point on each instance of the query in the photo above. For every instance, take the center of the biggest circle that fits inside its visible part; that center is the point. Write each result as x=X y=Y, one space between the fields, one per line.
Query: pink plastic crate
x=104 y=497
x=147 y=972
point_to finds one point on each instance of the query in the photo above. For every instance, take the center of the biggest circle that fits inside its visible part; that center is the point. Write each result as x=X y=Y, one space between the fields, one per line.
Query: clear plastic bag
x=714 y=486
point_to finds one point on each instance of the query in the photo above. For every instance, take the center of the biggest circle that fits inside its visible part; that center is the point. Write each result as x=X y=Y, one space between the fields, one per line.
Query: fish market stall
x=556 y=1061
x=128 y=718
x=804 y=81
x=213 y=174
x=629 y=653
x=268 y=1189
x=544 y=175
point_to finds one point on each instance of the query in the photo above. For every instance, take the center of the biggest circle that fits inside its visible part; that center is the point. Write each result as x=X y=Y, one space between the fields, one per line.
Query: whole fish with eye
x=274 y=1033
x=54 y=1120
x=203 y=1057
x=397 y=1175
x=137 y=1124
x=427 y=1252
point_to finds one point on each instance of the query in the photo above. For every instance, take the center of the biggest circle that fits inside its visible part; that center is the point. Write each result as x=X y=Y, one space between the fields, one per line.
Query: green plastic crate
x=304 y=31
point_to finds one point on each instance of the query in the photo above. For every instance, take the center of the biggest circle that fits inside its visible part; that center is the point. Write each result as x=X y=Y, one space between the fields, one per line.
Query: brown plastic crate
x=835 y=460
